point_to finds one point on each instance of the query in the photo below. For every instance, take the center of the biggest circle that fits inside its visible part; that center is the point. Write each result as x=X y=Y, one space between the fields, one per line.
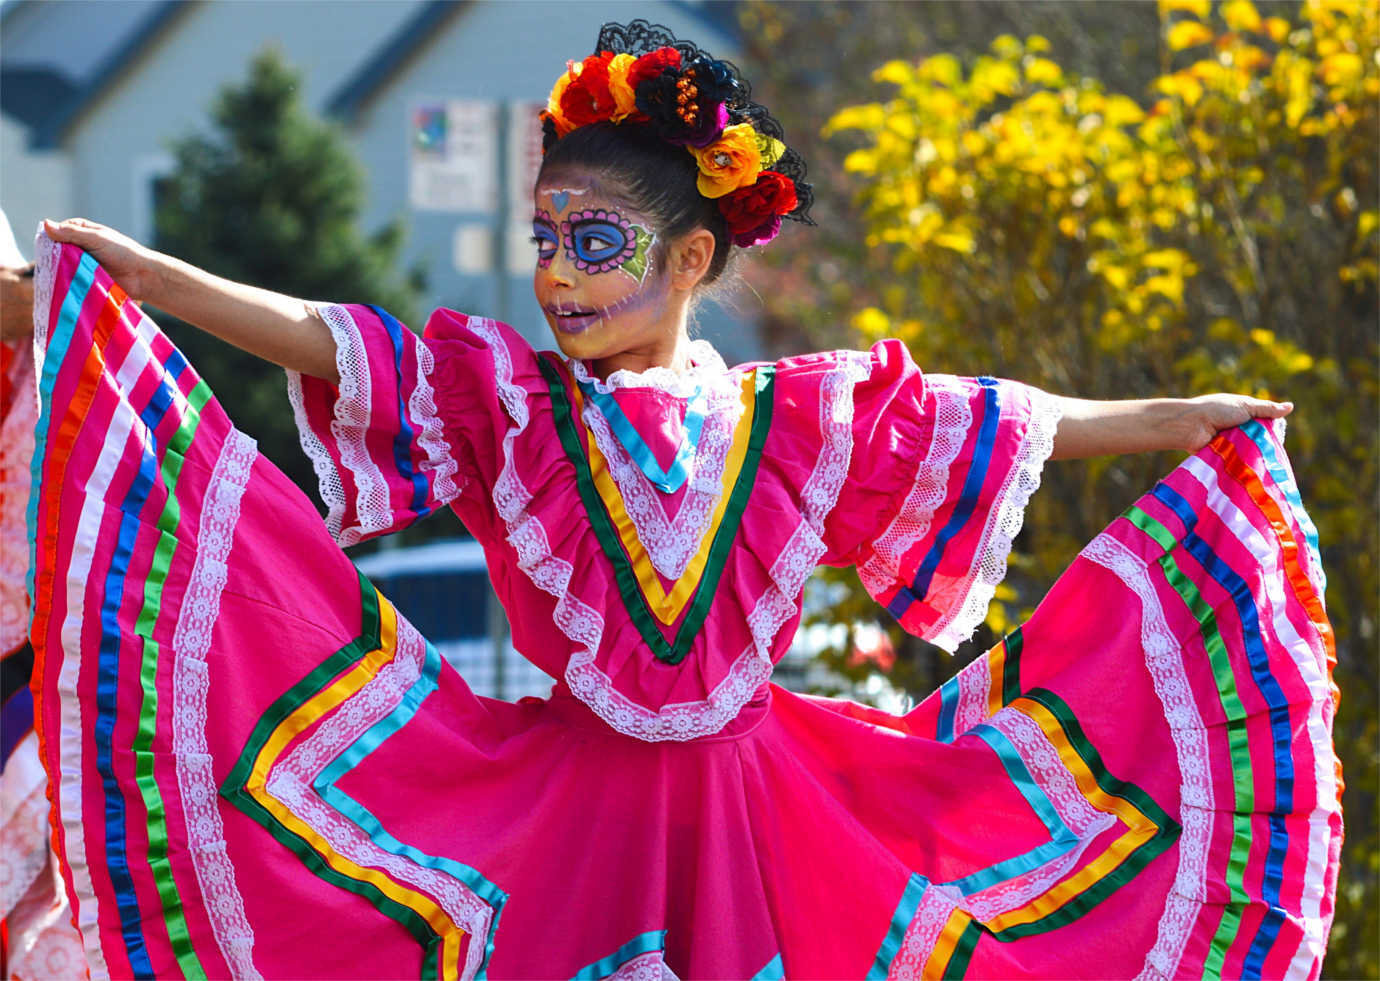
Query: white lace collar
x=705 y=366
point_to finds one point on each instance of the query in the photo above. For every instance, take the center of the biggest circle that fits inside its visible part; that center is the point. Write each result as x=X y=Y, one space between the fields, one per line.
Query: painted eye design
x=546 y=239
x=599 y=241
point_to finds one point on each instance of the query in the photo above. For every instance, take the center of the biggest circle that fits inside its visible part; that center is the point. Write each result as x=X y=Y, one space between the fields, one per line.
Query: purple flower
x=760 y=235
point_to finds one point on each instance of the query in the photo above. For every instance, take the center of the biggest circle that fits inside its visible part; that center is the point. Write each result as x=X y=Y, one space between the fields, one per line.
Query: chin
x=585 y=345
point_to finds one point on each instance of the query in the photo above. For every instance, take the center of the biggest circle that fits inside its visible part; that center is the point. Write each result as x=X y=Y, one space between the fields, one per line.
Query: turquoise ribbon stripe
x=673 y=477
x=773 y=970
x=643 y=943
x=59 y=339
x=900 y=920
x=358 y=751
x=1061 y=839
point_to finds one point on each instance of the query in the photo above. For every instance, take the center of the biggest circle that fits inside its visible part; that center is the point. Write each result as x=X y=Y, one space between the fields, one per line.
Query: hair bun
x=640 y=74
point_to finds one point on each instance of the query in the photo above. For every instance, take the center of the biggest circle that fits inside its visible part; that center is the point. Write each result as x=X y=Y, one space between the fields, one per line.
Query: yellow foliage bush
x=1222 y=233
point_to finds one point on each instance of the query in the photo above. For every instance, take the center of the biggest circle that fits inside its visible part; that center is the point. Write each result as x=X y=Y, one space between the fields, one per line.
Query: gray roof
x=55 y=65
x=375 y=73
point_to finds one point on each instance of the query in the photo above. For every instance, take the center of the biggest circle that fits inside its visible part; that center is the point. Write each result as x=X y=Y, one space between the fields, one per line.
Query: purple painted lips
x=572 y=320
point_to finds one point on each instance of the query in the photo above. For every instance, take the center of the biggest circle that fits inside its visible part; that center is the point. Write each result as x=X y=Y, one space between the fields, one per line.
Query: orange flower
x=730 y=162
x=553 y=104
x=625 y=100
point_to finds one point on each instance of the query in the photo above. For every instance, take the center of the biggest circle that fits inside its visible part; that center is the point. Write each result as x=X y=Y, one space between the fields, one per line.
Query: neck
x=672 y=352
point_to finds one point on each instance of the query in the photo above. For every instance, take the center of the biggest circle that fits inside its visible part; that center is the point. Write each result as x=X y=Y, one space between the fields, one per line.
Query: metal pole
x=498 y=624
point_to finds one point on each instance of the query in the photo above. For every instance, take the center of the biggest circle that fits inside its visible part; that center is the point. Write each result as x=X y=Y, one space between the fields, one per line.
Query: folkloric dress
x=37 y=939
x=263 y=770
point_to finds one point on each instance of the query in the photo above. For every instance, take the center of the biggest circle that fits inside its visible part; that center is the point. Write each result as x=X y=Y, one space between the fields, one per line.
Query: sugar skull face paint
x=601 y=241
x=595 y=278
x=596 y=240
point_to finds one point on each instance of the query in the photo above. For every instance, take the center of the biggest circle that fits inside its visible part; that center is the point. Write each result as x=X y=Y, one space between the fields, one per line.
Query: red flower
x=653 y=64
x=751 y=209
x=587 y=98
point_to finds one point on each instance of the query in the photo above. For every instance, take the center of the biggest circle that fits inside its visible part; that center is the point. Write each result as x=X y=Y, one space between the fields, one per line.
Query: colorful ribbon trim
x=312 y=699
x=673 y=477
x=668 y=607
x=604 y=516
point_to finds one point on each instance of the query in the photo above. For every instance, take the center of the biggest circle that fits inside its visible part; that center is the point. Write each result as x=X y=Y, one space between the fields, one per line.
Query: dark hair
x=649 y=175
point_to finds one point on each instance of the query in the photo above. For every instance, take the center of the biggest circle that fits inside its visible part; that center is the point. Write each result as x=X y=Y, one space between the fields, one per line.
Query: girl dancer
x=261 y=769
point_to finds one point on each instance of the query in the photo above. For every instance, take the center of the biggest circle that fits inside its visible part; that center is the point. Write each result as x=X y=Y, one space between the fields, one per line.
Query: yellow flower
x=624 y=99
x=730 y=162
x=553 y=104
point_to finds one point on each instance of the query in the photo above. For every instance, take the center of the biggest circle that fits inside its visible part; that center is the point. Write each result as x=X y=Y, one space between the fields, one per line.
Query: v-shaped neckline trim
x=667 y=479
x=671 y=541
x=690 y=598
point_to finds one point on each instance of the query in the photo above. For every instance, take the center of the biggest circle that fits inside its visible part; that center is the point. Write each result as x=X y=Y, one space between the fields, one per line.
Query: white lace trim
x=648 y=966
x=1003 y=524
x=922 y=933
x=952 y=418
x=705 y=367
x=1061 y=788
x=191 y=681
x=974 y=701
x=291 y=781
x=46 y=255
x=1164 y=661
x=328 y=481
x=350 y=429
x=421 y=408
x=671 y=544
x=585 y=626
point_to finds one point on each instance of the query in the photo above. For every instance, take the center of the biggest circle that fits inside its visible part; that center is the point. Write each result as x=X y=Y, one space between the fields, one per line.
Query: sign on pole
x=453 y=156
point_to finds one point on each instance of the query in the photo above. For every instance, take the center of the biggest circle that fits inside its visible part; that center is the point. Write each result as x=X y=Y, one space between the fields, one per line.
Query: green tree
x=1216 y=230
x=272 y=197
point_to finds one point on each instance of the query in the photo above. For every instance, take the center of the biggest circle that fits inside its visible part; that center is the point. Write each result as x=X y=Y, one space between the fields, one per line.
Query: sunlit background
x=1104 y=199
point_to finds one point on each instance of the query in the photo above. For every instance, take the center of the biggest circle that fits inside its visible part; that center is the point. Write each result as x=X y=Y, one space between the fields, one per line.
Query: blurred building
x=437 y=100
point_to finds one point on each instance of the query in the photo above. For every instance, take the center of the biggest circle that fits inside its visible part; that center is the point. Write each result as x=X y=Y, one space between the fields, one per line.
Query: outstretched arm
x=272 y=326
x=1090 y=428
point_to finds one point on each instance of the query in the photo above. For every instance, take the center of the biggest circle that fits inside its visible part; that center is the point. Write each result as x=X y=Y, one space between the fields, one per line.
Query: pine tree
x=272 y=197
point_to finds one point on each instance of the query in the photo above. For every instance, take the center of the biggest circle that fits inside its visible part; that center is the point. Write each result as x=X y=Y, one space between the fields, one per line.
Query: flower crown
x=641 y=74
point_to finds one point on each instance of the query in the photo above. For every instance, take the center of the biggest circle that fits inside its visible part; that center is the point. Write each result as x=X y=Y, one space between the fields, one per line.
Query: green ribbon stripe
x=669 y=652
x=1166 y=833
x=235 y=789
x=174 y=918
x=962 y=953
x=1243 y=783
x=1011 y=666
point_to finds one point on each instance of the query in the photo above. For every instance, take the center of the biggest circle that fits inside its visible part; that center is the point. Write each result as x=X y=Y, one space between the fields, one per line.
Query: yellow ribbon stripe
x=1140 y=828
x=668 y=607
x=938 y=961
x=305 y=715
x=996 y=664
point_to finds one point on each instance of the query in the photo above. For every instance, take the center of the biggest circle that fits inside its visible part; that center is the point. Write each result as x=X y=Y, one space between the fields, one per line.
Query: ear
x=690 y=257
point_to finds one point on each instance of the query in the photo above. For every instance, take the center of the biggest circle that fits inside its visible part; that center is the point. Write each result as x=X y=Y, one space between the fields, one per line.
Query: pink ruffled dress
x=264 y=770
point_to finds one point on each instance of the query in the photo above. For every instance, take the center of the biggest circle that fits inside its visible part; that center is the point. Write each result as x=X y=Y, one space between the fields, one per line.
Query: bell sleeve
x=941 y=471
x=409 y=428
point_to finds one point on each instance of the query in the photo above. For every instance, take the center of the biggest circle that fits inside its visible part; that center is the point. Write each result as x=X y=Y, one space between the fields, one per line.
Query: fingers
x=73 y=230
x=1261 y=409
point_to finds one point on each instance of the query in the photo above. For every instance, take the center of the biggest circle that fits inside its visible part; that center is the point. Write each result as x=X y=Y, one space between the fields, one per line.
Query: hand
x=130 y=264
x=16 y=302
x=1200 y=419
